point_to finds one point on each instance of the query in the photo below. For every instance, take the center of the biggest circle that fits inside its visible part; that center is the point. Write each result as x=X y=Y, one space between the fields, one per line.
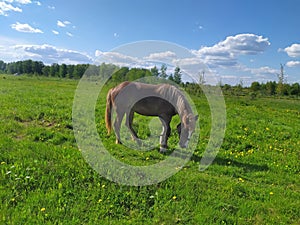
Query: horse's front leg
x=165 y=134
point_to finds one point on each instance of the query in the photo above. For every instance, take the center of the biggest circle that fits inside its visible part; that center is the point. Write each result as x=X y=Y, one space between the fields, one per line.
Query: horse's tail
x=108 y=111
x=110 y=98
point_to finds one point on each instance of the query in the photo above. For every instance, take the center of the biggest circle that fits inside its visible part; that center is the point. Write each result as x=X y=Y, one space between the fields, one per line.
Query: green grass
x=45 y=180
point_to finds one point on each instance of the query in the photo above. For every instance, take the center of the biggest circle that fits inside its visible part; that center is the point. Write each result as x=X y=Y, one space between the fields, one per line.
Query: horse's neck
x=183 y=106
x=177 y=99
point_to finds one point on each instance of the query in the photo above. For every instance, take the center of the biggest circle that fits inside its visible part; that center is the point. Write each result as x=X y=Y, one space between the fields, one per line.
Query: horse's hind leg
x=117 y=126
x=165 y=133
x=129 y=120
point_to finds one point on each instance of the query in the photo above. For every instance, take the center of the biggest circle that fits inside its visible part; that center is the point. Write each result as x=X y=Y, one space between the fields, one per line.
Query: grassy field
x=255 y=178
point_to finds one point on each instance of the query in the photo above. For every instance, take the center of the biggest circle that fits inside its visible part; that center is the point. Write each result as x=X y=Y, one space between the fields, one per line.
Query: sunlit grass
x=45 y=180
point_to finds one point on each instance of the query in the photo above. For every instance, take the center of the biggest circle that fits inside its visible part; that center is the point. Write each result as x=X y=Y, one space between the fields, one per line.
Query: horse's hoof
x=118 y=142
x=162 y=150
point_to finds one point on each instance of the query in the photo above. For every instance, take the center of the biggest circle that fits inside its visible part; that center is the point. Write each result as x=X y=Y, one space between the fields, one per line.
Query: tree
x=106 y=70
x=11 y=68
x=255 y=86
x=120 y=75
x=163 y=71
x=63 y=70
x=177 y=75
x=134 y=74
x=54 y=69
x=37 y=67
x=26 y=67
x=154 y=71
x=46 y=71
x=79 y=70
x=281 y=88
x=271 y=87
x=2 y=66
x=239 y=88
x=295 y=89
x=171 y=78
x=202 y=78
x=70 y=71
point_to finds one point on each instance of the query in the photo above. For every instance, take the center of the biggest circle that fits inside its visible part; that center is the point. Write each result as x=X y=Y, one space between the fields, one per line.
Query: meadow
x=44 y=179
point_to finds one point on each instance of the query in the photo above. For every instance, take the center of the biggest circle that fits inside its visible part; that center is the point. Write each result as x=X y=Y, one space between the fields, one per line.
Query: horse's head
x=186 y=128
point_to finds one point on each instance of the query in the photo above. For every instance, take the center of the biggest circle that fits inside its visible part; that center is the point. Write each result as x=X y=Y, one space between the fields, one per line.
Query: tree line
x=38 y=68
x=270 y=88
x=30 y=67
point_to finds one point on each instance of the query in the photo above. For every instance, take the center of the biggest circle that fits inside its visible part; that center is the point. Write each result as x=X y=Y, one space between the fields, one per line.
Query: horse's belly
x=153 y=106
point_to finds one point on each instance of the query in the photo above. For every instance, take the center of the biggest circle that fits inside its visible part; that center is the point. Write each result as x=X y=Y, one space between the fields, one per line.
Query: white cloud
x=293 y=50
x=293 y=64
x=245 y=44
x=117 y=58
x=5 y=8
x=51 y=54
x=161 y=56
x=263 y=71
x=60 y=23
x=51 y=7
x=7 y=51
x=225 y=53
x=16 y=49
x=24 y=27
x=188 y=61
x=69 y=34
x=24 y=2
x=55 y=32
x=63 y=23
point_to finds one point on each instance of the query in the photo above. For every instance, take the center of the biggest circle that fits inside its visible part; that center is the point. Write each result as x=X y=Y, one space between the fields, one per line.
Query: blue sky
x=239 y=40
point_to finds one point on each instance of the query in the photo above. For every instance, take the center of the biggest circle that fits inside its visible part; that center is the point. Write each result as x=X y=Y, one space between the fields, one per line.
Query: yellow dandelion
x=103 y=186
x=174 y=197
x=43 y=209
x=2 y=163
x=271 y=193
x=267 y=128
x=147 y=158
x=241 y=180
x=100 y=200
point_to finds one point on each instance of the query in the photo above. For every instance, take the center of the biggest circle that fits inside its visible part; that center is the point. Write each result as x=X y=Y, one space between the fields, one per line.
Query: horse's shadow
x=248 y=167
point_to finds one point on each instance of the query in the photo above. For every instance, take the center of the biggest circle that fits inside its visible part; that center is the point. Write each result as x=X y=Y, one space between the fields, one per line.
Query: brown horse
x=162 y=100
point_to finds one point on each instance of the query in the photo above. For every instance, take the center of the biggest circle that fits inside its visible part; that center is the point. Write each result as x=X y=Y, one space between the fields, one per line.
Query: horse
x=160 y=100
